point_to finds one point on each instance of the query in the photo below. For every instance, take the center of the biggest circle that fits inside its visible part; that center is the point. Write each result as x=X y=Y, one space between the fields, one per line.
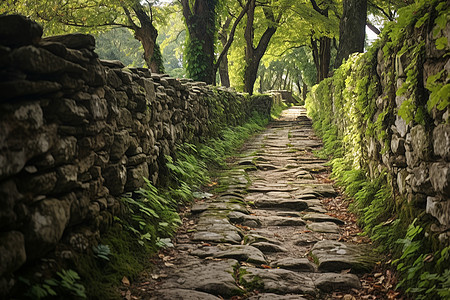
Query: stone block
x=49 y=219
x=441 y=141
x=18 y=31
x=135 y=177
x=74 y=40
x=440 y=177
x=115 y=178
x=440 y=209
x=12 y=251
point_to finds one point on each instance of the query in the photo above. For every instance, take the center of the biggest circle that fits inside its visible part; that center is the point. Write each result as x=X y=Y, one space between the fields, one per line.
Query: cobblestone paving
x=268 y=235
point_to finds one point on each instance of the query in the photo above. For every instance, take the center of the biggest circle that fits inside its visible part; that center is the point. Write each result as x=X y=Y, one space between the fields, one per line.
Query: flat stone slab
x=212 y=277
x=256 y=238
x=282 y=221
x=327 y=227
x=278 y=281
x=244 y=219
x=244 y=253
x=270 y=296
x=266 y=247
x=294 y=264
x=181 y=294
x=297 y=205
x=222 y=237
x=331 y=282
x=333 y=256
x=317 y=217
x=201 y=207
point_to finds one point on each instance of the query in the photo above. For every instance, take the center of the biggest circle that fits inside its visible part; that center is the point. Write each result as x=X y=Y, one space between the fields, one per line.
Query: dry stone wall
x=76 y=132
x=390 y=108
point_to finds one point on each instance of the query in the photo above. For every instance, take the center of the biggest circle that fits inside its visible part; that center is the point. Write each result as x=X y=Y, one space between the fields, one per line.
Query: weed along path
x=269 y=234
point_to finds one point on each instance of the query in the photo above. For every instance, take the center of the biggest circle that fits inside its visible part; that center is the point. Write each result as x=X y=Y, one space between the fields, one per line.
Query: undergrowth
x=354 y=117
x=151 y=216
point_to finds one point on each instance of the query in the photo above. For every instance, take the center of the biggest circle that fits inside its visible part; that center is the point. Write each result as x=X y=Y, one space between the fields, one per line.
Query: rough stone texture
x=334 y=256
x=279 y=281
x=213 y=277
x=415 y=151
x=337 y=282
x=77 y=132
x=181 y=294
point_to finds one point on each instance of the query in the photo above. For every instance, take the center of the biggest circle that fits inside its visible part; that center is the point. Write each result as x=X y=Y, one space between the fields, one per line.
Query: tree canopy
x=255 y=45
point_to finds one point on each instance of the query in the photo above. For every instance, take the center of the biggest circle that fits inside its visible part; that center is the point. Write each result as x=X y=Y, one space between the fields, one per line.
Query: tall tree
x=226 y=39
x=321 y=48
x=352 y=29
x=254 y=54
x=93 y=16
x=200 y=21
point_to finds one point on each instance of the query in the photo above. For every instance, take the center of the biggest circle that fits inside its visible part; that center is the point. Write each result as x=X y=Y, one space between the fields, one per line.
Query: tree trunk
x=146 y=34
x=352 y=29
x=322 y=56
x=304 y=90
x=253 y=55
x=200 y=23
x=223 y=64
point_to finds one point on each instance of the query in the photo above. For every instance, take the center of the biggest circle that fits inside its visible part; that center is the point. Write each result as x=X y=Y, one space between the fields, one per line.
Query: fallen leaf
x=125 y=281
x=266 y=267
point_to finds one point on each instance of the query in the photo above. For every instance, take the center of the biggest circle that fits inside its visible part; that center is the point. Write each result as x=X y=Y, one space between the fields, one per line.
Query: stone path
x=268 y=236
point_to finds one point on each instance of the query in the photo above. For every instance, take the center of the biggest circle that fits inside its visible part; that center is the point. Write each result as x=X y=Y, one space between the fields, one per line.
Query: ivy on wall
x=354 y=112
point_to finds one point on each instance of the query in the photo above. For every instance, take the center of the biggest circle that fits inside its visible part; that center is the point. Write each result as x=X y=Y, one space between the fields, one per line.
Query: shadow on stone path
x=268 y=236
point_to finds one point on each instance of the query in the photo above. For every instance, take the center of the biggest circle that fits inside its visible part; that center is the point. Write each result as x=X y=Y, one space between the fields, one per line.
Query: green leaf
x=441 y=43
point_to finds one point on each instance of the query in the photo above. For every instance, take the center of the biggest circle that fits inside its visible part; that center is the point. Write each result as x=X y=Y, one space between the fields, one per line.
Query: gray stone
x=74 y=40
x=441 y=141
x=243 y=253
x=327 y=227
x=135 y=177
x=334 y=256
x=298 y=205
x=181 y=294
x=12 y=252
x=270 y=296
x=244 y=219
x=282 y=221
x=419 y=179
x=40 y=61
x=420 y=141
x=440 y=177
x=266 y=247
x=294 y=264
x=255 y=238
x=115 y=178
x=440 y=209
x=277 y=281
x=217 y=237
x=213 y=277
x=401 y=126
x=398 y=145
x=330 y=282
x=18 y=31
x=120 y=145
x=317 y=217
x=21 y=88
x=9 y=196
x=47 y=224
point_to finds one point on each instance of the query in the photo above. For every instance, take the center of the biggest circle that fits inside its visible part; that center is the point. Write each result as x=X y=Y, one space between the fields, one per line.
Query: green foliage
x=350 y=112
x=119 y=44
x=425 y=275
x=150 y=214
x=102 y=251
x=67 y=285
